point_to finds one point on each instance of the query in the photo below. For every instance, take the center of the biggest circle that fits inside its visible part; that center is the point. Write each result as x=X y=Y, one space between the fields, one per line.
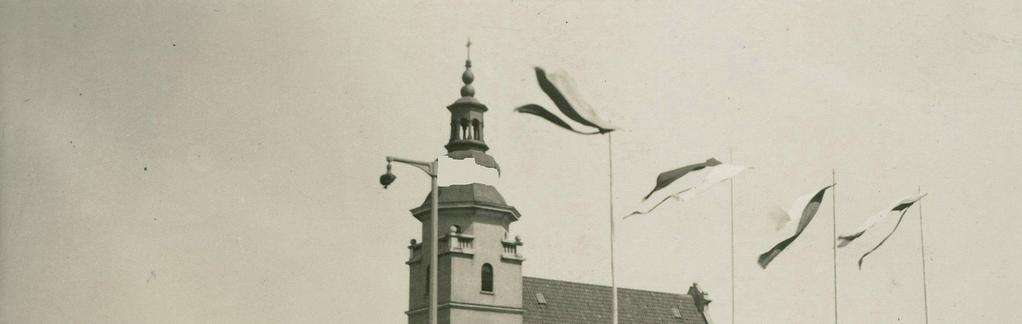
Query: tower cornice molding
x=471 y=306
x=422 y=211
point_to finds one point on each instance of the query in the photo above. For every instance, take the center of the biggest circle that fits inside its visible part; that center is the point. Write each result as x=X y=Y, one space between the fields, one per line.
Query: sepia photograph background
x=217 y=161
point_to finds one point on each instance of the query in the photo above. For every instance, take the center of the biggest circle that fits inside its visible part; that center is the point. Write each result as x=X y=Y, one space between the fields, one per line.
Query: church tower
x=479 y=268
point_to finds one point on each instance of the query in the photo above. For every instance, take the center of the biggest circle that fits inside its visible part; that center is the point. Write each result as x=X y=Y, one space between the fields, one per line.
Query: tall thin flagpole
x=434 y=242
x=610 y=172
x=922 y=252
x=833 y=206
x=731 y=156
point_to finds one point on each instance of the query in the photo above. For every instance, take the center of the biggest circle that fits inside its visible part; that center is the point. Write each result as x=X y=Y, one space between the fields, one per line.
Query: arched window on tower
x=487 y=278
x=427 y=281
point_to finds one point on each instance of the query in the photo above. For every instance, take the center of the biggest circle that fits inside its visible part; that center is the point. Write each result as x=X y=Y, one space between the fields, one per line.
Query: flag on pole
x=561 y=89
x=666 y=178
x=806 y=207
x=706 y=175
x=900 y=206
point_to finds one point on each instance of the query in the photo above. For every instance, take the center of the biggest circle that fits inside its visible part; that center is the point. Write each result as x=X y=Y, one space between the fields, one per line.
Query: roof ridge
x=608 y=287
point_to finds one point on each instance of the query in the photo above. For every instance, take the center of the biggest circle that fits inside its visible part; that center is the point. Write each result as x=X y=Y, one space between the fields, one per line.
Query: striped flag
x=667 y=178
x=561 y=90
x=901 y=206
x=705 y=175
x=805 y=207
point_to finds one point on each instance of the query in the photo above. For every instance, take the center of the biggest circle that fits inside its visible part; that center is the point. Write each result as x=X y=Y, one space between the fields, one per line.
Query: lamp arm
x=429 y=167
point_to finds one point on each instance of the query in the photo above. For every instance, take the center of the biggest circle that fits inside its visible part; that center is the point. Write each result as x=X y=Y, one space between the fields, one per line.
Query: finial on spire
x=467 y=90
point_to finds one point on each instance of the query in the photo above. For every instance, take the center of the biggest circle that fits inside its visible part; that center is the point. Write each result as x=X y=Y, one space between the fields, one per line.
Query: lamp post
x=431 y=169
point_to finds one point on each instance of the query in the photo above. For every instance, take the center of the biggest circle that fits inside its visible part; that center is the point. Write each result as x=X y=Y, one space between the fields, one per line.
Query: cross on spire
x=467 y=77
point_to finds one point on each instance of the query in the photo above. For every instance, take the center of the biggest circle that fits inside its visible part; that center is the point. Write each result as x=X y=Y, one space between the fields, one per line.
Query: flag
x=466 y=167
x=900 y=206
x=666 y=178
x=710 y=173
x=806 y=207
x=561 y=89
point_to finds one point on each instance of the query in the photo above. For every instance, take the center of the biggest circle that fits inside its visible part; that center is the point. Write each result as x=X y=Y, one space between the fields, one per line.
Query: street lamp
x=431 y=169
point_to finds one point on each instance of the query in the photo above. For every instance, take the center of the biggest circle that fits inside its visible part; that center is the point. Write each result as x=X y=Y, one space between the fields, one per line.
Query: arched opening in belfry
x=477 y=130
x=465 y=130
x=455 y=133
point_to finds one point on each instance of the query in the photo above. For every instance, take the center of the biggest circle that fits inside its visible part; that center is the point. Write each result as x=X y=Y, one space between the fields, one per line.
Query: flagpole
x=610 y=173
x=833 y=206
x=731 y=156
x=922 y=252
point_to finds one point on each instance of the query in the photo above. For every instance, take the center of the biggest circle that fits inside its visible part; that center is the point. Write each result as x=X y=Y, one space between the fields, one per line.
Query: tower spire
x=467 y=126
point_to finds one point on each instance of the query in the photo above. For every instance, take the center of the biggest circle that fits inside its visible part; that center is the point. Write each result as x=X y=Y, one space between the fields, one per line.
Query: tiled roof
x=468 y=193
x=578 y=303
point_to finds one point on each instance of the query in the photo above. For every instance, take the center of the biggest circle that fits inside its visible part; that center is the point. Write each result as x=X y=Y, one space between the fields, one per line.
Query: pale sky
x=217 y=162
